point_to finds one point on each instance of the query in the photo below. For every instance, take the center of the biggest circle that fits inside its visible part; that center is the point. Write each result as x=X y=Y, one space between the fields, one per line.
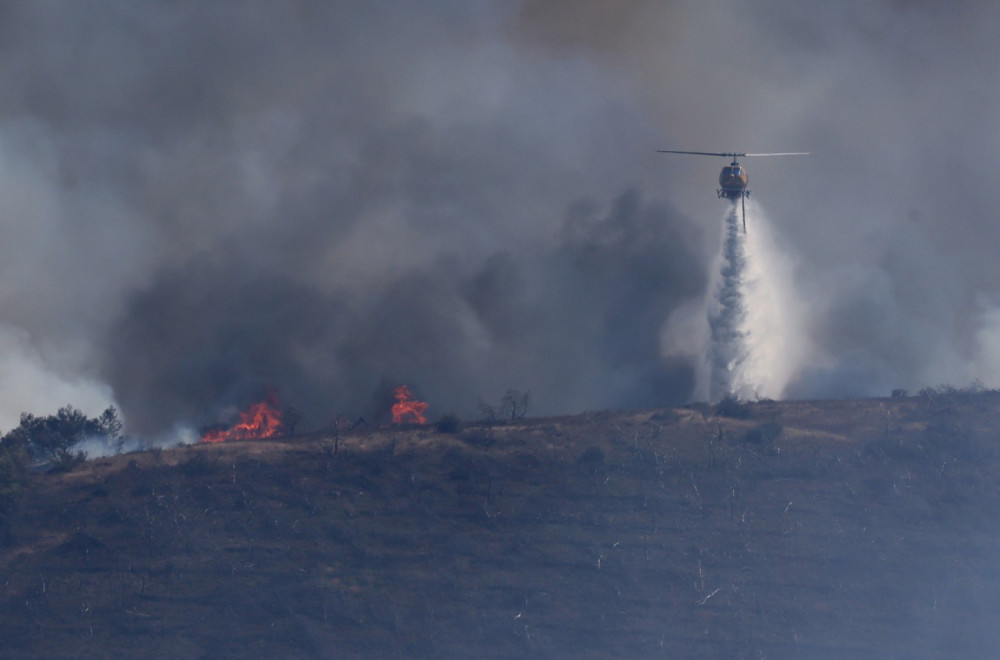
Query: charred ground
x=798 y=529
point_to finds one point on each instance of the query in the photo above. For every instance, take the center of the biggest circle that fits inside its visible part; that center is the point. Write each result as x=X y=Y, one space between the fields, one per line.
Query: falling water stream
x=727 y=312
x=758 y=336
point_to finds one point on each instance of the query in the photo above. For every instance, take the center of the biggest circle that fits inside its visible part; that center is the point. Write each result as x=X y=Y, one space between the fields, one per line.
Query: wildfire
x=407 y=410
x=260 y=420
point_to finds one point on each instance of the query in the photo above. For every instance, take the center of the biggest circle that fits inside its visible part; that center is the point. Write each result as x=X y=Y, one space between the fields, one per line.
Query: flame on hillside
x=407 y=410
x=260 y=420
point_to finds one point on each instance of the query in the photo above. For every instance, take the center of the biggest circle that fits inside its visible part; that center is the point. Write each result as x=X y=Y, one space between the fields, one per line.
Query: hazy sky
x=201 y=200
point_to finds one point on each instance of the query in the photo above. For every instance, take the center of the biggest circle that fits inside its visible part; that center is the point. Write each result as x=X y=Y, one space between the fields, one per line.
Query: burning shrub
x=260 y=420
x=408 y=410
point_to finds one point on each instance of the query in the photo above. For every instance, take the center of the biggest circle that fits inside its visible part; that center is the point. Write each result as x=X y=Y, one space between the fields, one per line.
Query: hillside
x=849 y=529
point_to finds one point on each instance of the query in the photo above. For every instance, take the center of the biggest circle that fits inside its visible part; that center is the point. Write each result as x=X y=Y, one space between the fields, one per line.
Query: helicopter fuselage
x=733 y=182
x=733 y=179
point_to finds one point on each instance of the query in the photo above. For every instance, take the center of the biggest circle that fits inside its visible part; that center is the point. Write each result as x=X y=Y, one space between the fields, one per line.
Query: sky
x=201 y=202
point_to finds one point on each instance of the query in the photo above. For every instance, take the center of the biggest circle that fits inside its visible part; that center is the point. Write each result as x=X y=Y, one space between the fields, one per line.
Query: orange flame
x=260 y=420
x=408 y=410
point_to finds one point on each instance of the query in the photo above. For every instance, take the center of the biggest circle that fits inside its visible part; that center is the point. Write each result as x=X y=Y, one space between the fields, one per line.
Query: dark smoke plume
x=576 y=322
x=209 y=201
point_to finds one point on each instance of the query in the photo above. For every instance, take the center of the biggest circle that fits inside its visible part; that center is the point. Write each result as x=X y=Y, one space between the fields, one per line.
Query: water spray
x=758 y=339
x=727 y=312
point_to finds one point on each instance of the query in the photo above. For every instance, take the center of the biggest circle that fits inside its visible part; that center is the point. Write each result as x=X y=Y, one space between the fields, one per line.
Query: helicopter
x=733 y=178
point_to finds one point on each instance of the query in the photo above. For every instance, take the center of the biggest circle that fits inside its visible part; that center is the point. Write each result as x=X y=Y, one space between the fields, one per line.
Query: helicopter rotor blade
x=789 y=153
x=730 y=154
x=699 y=153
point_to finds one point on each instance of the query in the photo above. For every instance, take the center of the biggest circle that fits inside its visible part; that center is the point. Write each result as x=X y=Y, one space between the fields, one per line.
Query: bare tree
x=514 y=404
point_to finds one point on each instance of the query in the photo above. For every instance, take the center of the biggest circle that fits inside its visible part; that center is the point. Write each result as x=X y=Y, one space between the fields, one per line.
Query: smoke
x=576 y=322
x=28 y=381
x=205 y=202
x=778 y=346
x=201 y=201
x=891 y=218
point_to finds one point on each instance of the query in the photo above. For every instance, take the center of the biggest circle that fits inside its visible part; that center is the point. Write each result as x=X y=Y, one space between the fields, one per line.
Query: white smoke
x=29 y=382
x=984 y=367
x=775 y=335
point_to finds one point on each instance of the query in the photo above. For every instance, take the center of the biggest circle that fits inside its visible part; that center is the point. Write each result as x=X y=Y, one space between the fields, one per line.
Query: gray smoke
x=575 y=322
x=317 y=197
x=202 y=200
x=891 y=220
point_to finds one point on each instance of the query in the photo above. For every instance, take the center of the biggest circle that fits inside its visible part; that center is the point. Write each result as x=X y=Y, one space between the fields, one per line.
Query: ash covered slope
x=810 y=529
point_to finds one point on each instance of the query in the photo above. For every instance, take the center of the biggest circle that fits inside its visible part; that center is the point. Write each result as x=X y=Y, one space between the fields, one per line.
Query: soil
x=843 y=529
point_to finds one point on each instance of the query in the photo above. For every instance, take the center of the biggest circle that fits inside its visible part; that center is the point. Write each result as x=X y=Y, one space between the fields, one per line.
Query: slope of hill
x=802 y=530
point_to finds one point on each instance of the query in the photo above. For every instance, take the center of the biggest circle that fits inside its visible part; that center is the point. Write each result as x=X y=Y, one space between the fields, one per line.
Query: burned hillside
x=795 y=529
